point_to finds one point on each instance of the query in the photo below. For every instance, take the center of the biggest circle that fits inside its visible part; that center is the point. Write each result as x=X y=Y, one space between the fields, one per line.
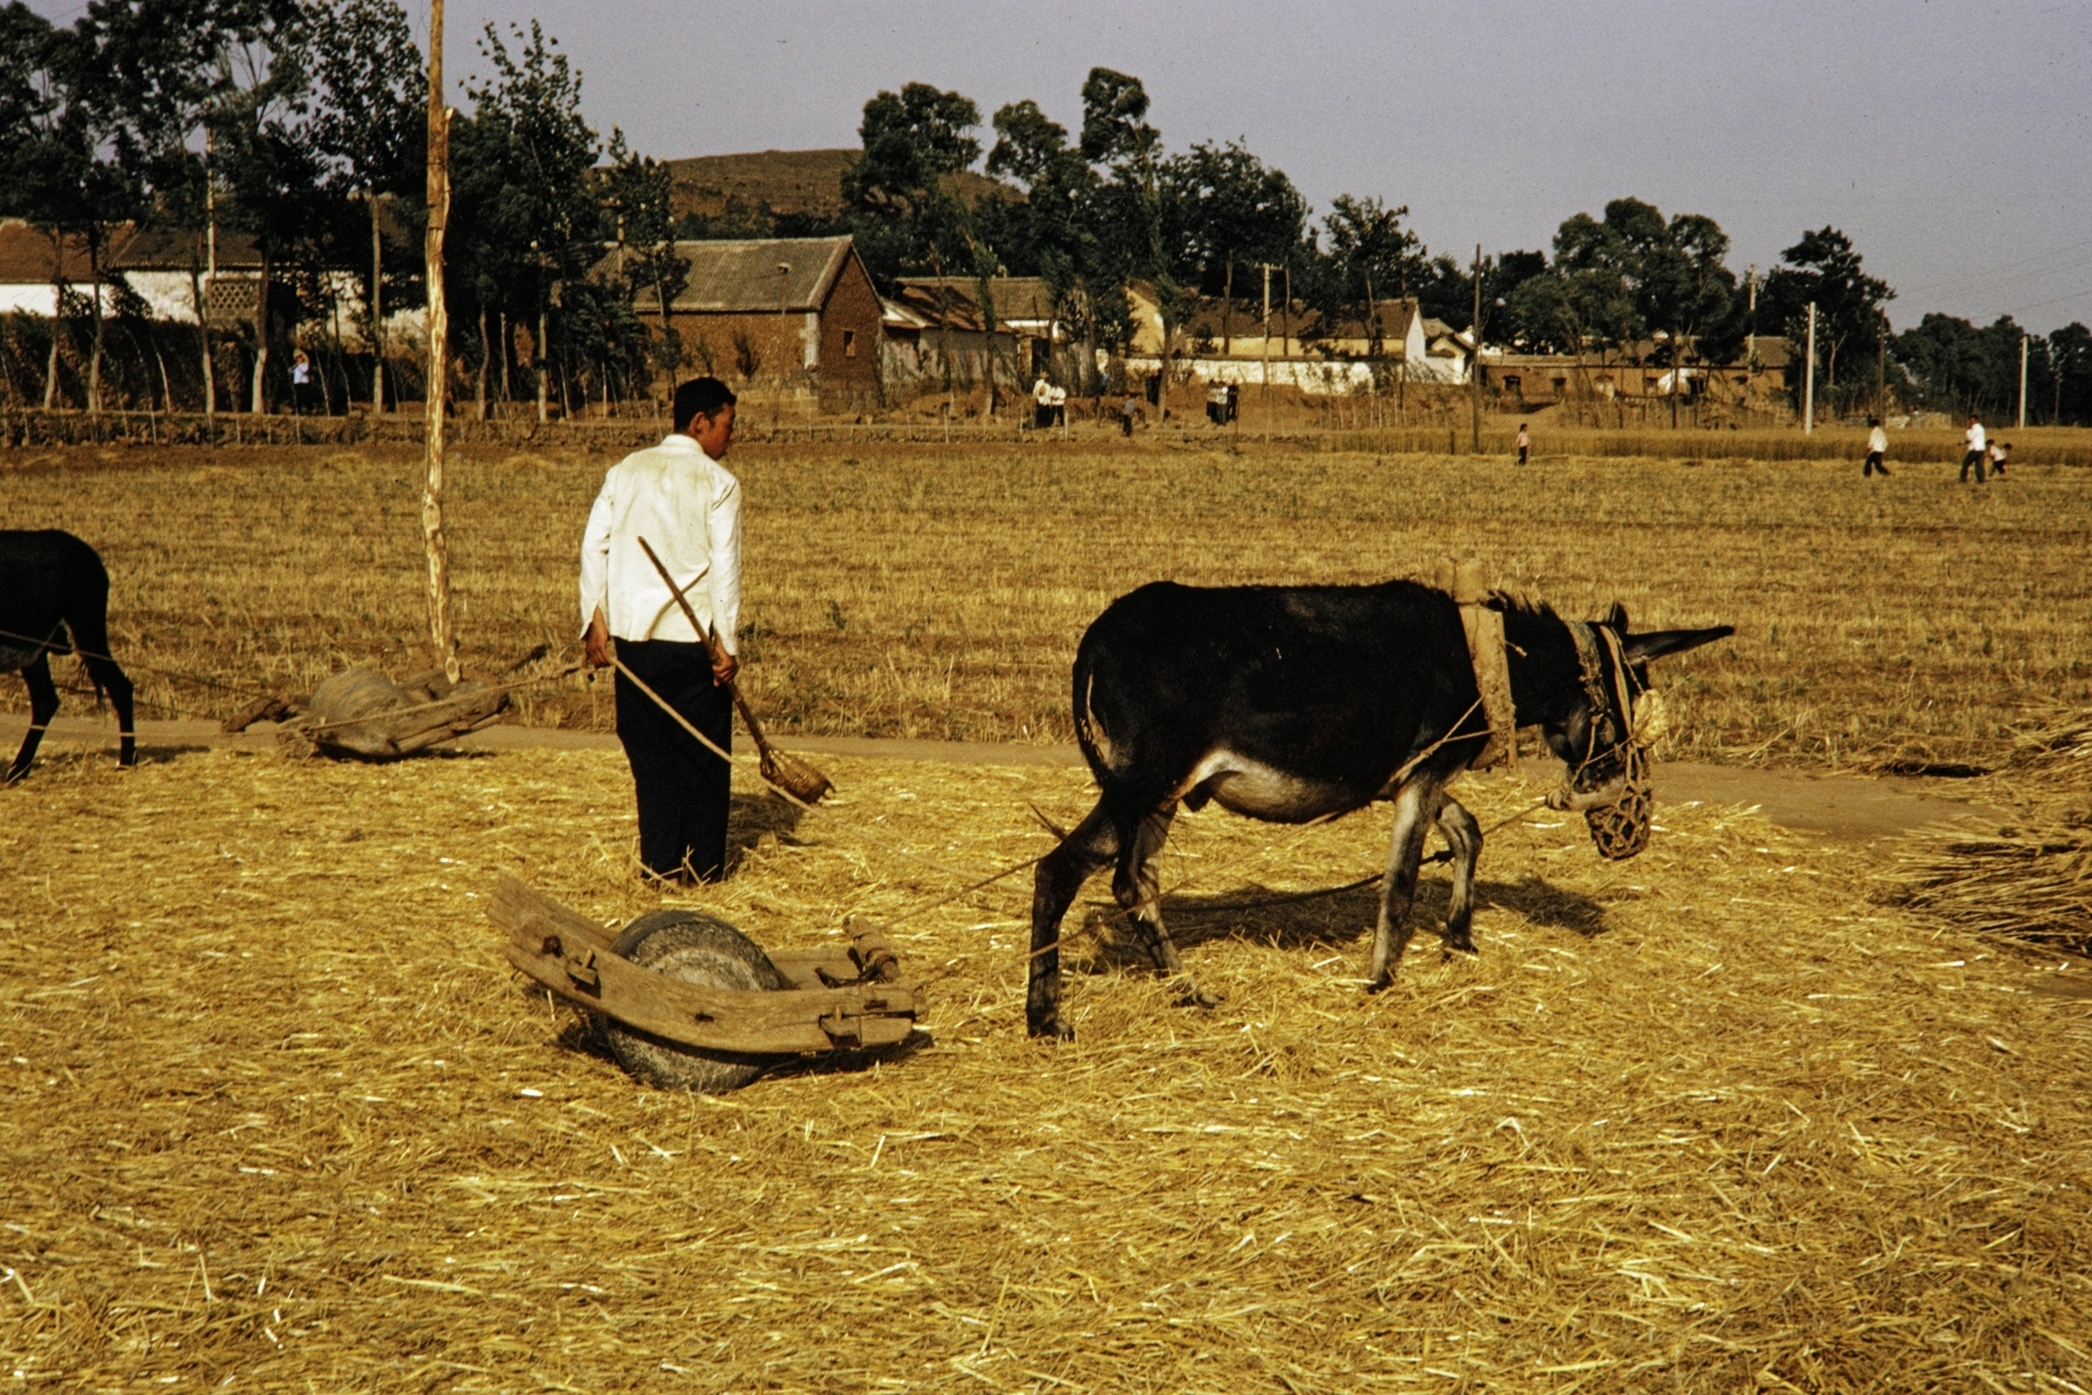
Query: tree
x=1222 y=205
x=1823 y=267
x=909 y=217
x=62 y=172
x=1374 y=252
x=530 y=157
x=638 y=196
x=2070 y=360
x=1050 y=232
x=370 y=128
x=267 y=156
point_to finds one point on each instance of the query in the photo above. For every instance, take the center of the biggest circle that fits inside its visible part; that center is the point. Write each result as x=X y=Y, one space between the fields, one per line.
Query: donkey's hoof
x=1051 y=1030
x=1462 y=941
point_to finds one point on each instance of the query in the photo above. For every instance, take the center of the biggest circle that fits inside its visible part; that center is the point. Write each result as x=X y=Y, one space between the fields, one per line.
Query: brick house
x=792 y=309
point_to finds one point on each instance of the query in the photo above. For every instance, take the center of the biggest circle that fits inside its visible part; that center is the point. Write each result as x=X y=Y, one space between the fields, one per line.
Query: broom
x=781 y=769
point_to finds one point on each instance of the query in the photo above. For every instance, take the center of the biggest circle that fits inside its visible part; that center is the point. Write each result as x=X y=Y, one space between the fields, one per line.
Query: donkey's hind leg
x=1092 y=843
x=43 y=706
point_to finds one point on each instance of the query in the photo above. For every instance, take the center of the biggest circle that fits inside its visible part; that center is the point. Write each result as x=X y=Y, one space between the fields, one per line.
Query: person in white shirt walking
x=688 y=509
x=2000 y=452
x=1042 y=403
x=1976 y=452
x=1877 y=450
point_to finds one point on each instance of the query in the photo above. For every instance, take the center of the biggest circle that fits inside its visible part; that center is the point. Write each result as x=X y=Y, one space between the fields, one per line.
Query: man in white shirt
x=1042 y=403
x=1877 y=450
x=688 y=508
x=1976 y=451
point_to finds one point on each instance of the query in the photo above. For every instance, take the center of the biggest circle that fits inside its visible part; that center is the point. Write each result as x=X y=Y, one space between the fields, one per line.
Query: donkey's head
x=1598 y=707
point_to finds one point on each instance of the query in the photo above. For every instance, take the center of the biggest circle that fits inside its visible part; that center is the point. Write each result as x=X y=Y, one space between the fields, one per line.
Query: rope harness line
x=1619 y=829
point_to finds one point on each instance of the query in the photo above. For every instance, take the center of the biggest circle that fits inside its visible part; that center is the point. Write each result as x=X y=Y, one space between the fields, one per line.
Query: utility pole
x=784 y=333
x=2022 y=380
x=438 y=389
x=1808 y=382
x=1750 y=334
x=1474 y=363
x=1266 y=268
x=377 y=303
x=1881 y=366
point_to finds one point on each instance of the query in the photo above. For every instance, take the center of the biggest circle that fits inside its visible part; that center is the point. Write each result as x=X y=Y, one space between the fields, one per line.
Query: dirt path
x=1851 y=808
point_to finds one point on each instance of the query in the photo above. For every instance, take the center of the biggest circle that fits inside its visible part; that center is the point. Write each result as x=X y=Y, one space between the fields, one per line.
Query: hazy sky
x=1952 y=141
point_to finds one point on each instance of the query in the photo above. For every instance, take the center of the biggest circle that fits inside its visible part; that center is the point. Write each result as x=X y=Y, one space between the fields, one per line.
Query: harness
x=1619 y=826
x=1621 y=829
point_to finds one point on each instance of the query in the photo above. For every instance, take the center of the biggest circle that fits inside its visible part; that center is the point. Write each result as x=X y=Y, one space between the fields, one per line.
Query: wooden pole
x=438 y=389
x=2023 y=381
x=1808 y=381
x=1474 y=366
x=377 y=309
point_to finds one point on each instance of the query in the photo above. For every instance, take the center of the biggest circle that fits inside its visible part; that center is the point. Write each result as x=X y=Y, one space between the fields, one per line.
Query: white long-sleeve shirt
x=1878 y=441
x=688 y=508
x=1974 y=436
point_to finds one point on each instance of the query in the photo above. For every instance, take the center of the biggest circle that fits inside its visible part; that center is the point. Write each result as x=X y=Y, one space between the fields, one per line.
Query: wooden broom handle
x=711 y=641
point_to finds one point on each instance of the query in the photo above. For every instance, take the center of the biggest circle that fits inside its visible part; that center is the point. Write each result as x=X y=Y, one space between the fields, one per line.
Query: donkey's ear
x=1616 y=619
x=1656 y=643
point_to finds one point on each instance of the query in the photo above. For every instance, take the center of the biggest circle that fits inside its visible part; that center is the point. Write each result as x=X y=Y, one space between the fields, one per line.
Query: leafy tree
x=1222 y=205
x=1050 y=232
x=1823 y=267
x=638 y=203
x=2070 y=360
x=534 y=211
x=370 y=129
x=909 y=217
x=61 y=172
x=1375 y=254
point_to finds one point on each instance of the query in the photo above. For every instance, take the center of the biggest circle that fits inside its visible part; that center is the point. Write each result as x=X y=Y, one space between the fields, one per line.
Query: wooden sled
x=363 y=715
x=839 y=997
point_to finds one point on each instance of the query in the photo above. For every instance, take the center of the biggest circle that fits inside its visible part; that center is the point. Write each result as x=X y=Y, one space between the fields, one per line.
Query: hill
x=790 y=183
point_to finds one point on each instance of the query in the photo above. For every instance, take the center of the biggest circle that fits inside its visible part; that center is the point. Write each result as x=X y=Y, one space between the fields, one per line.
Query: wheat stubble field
x=276 y=1115
x=939 y=591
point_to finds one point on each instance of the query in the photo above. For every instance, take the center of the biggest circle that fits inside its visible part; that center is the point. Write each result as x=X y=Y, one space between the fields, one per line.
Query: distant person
x=301 y=383
x=1999 y=450
x=1877 y=450
x=1217 y=404
x=1976 y=453
x=1525 y=443
x=1057 y=407
x=1042 y=403
x=1126 y=411
x=1234 y=400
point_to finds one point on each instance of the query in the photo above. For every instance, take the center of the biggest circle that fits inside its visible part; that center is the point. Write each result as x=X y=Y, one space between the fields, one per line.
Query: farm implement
x=688 y=1002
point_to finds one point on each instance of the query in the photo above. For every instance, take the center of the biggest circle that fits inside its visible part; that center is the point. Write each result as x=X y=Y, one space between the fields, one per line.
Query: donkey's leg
x=1139 y=891
x=89 y=625
x=1093 y=842
x=1465 y=837
x=112 y=680
x=43 y=706
x=1415 y=805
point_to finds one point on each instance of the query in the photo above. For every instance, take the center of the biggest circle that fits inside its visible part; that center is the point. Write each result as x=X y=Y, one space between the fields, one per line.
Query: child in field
x=1126 y=411
x=1877 y=450
x=1998 y=451
x=1524 y=443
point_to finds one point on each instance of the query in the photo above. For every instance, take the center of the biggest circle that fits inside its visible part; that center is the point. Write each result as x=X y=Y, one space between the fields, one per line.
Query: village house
x=155 y=264
x=776 y=309
x=931 y=321
x=1223 y=342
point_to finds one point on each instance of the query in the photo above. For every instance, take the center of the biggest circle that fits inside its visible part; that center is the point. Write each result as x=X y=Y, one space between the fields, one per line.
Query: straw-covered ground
x=278 y=1116
x=933 y=591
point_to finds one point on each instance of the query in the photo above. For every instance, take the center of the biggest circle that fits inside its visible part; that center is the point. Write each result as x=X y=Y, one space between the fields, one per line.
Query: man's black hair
x=700 y=397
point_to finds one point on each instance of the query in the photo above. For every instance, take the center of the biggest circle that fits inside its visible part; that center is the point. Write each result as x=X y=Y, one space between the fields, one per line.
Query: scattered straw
x=276 y=1112
x=2030 y=880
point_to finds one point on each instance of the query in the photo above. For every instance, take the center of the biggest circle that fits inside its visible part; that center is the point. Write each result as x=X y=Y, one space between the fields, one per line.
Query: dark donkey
x=1295 y=703
x=53 y=585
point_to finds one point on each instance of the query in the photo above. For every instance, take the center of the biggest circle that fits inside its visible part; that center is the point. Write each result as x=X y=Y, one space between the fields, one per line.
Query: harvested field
x=278 y=1116
x=919 y=590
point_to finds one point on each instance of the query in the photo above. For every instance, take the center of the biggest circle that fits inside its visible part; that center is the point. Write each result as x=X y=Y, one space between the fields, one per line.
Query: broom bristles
x=794 y=776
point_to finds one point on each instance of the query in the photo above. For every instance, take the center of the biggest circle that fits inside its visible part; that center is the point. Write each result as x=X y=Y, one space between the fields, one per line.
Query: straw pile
x=277 y=1115
x=2031 y=881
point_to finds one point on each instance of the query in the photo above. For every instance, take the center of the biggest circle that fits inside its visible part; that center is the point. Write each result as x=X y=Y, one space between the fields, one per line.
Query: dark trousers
x=1874 y=463
x=1975 y=458
x=684 y=790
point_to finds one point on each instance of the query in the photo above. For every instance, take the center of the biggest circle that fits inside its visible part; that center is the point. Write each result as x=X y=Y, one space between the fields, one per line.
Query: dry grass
x=2032 y=879
x=279 y=1117
x=925 y=591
